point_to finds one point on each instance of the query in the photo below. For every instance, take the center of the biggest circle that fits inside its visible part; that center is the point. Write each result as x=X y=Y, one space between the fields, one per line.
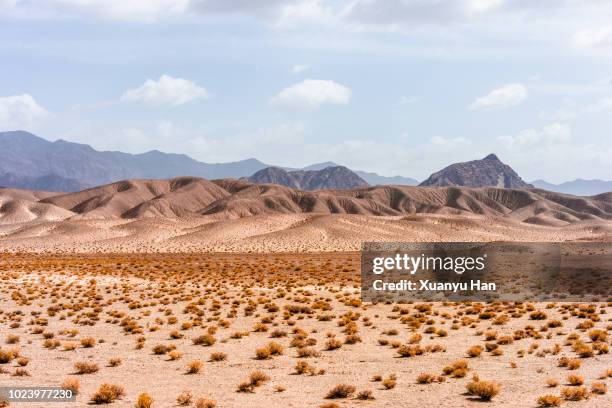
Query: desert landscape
x=266 y=330
x=188 y=292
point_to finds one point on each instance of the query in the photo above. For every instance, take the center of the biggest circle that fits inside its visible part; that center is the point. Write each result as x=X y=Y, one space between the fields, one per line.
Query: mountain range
x=30 y=162
x=333 y=177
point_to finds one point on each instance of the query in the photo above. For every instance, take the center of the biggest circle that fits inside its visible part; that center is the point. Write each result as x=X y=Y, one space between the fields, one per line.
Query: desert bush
x=341 y=391
x=144 y=401
x=599 y=388
x=194 y=367
x=218 y=356
x=425 y=378
x=548 y=401
x=485 y=390
x=184 y=398
x=575 y=380
x=204 y=340
x=365 y=395
x=474 y=351
x=574 y=393
x=205 y=403
x=88 y=342
x=84 y=367
x=333 y=344
x=552 y=382
x=114 y=362
x=107 y=393
x=71 y=384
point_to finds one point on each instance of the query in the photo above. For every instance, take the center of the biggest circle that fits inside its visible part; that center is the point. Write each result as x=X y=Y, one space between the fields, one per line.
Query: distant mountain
x=336 y=177
x=372 y=179
x=578 y=187
x=28 y=161
x=488 y=172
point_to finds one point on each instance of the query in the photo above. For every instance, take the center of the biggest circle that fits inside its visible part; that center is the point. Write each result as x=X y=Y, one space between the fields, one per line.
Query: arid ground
x=282 y=330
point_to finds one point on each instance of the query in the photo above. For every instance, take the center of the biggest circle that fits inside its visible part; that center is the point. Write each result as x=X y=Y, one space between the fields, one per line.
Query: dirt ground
x=196 y=306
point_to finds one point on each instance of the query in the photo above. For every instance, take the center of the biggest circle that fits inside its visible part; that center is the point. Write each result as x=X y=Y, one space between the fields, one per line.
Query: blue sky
x=392 y=86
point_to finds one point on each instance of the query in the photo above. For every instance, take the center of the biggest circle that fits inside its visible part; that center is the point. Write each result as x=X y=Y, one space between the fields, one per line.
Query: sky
x=398 y=87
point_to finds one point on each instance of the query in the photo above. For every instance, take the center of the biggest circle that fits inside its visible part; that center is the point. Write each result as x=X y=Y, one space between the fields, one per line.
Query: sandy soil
x=278 y=233
x=300 y=297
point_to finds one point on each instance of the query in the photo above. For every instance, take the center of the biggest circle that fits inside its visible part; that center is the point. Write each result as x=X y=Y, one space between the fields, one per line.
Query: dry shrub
x=88 y=342
x=575 y=380
x=425 y=378
x=341 y=391
x=457 y=369
x=114 y=362
x=574 y=393
x=23 y=361
x=552 y=382
x=20 y=372
x=175 y=355
x=71 y=384
x=12 y=339
x=84 y=367
x=184 y=398
x=333 y=344
x=485 y=390
x=262 y=353
x=205 y=403
x=548 y=401
x=218 y=356
x=329 y=405
x=365 y=395
x=599 y=388
x=107 y=393
x=204 y=340
x=194 y=367
x=302 y=367
x=258 y=377
x=144 y=401
x=474 y=351
x=389 y=383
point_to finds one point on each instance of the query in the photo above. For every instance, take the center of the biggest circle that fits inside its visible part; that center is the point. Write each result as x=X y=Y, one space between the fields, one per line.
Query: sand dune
x=192 y=214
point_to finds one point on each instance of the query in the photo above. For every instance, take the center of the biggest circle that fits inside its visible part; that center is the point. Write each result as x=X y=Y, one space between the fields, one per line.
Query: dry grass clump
x=205 y=340
x=184 y=398
x=474 y=351
x=552 y=382
x=390 y=382
x=256 y=379
x=175 y=355
x=599 y=388
x=107 y=393
x=548 y=401
x=574 y=393
x=218 y=356
x=365 y=395
x=12 y=339
x=426 y=378
x=71 y=384
x=88 y=342
x=84 y=367
x=205 y=403
x=575 y=380
x=341 y=391
x=333 y=344
x=194 y=367
x=485 y=390
x=114 y=362
x=457 y=369
x=144 y=401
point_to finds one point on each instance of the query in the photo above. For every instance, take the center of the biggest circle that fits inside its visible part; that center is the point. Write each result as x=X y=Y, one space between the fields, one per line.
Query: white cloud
x=20 y=112
x=503 y=97
x=299 y=68
x=130 y=10
x=593 y=37
x=166 y=91
x=552 y=134
x=312 y=93
x=440 y=140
